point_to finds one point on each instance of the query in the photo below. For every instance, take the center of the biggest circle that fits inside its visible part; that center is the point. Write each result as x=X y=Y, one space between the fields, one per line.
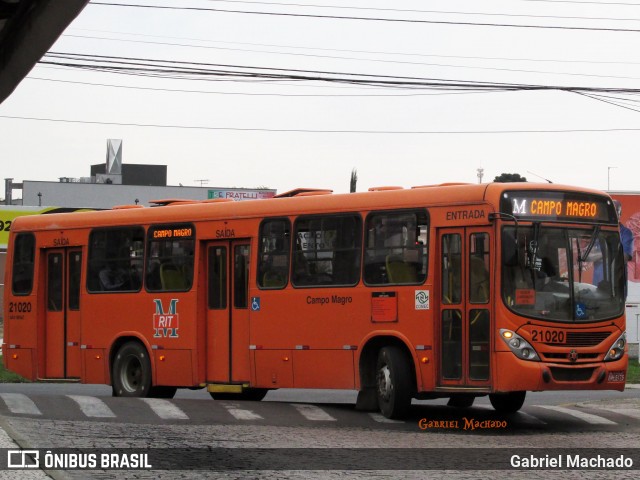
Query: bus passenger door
x=465 y=314
x=62 y=319
x=227 y=348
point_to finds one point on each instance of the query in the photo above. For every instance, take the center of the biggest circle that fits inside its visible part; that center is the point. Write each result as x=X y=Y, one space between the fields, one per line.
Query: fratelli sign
x=241 y=194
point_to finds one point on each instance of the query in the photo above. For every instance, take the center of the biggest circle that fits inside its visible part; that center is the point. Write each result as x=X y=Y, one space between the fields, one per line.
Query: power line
x=399 y=62
x=376 y=52
x=439 y=12
x=176 y=90
x=376 y=19
x=159 y=66
x=183 y=69
x=301 y=130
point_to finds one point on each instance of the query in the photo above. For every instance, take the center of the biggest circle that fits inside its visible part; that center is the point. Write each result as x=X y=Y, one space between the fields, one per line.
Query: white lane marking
x=92 y=406
x=530 y=419
x=240 y=413
x=378 y=417
x=311 y=412
x=587 y=417
x=20 y=403
x=523 y=417
x=629 y=412
x=165 y=409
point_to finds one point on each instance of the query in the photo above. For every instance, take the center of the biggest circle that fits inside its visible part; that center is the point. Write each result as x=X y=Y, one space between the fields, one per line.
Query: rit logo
x=165 y=323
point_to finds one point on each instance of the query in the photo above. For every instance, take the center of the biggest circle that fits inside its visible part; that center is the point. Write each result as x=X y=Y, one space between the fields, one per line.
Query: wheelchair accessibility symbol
x=255 y=304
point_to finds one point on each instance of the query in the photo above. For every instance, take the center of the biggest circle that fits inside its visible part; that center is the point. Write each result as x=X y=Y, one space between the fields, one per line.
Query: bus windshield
x=562 y=274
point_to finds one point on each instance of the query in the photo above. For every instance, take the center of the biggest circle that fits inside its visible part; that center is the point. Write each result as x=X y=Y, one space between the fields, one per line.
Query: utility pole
x=203 y=181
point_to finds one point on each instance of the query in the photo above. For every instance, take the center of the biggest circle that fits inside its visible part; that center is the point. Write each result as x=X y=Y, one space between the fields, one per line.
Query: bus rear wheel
x=509 y=402
x=131 y=373
x=393 y=383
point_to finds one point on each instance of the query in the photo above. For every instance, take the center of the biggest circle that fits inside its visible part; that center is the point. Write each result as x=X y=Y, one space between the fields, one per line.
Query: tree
x=354 y=180
x=509 y=177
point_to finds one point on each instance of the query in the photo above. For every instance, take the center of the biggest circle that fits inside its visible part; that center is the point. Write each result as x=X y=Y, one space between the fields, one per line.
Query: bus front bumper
x=514 y=374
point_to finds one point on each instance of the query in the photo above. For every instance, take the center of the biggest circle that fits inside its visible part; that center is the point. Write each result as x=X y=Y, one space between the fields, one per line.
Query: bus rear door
x=466 y=308
x=62 y=315
x=227 y=348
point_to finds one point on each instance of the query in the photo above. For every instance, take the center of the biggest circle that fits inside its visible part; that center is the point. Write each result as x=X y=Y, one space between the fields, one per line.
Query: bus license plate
x=544 y=335
x=616 y=376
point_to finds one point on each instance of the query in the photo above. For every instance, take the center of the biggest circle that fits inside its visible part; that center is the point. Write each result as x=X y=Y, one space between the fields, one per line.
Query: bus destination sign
x=177 y=231
x=558 y=206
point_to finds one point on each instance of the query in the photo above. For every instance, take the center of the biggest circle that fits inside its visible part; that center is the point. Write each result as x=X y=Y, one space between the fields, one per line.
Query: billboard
x=240 y=194
x=9 y=213
x=630 y=217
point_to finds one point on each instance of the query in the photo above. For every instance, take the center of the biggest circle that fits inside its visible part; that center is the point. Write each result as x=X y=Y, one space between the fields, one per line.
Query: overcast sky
x=283 y=134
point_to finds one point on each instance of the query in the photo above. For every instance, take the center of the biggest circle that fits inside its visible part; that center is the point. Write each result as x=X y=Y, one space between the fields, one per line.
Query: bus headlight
x=518 y=345
x=617 y=349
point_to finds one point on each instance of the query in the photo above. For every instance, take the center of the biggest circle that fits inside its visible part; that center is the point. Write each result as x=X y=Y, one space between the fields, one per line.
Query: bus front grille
x=571 y=374
x=584 y=339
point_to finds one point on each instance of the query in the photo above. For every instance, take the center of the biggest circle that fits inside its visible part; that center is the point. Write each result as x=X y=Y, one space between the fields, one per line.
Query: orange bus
x=450 y=291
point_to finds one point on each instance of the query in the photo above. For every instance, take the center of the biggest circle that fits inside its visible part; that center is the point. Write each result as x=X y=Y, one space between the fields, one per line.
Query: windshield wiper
x=532 y=261
x=582 y=257
x=592 y=241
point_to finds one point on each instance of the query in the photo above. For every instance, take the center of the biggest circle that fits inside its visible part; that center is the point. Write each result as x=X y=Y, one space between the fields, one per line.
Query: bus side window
x=396 y=248
x=273 y=254
x=115 y=259
x=170 y=258
x=327 y=250
x=23 y=261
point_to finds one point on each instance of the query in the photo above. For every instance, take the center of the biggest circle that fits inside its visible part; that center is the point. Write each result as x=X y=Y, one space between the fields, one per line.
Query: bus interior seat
x=273 y=279
x=171 y=277
x=398 y=271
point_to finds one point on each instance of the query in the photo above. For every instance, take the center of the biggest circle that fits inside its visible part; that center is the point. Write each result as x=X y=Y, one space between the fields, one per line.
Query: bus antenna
x=535 y=175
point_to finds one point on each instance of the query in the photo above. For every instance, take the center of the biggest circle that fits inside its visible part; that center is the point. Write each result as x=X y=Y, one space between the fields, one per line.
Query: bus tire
x=509 y=402
x=393 y=383
x=131 y=373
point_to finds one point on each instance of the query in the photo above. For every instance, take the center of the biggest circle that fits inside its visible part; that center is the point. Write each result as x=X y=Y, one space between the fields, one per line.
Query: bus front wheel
x=393 y=383
x=131 y=371
x=509 y=402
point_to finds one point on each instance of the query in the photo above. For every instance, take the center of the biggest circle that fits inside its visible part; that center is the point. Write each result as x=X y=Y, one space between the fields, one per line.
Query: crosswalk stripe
x=522 y=416
x=378 y=417
x=20 y=403
x=629 y=412
x=311 y=412
x=92 y=406
x=587 y=417
x=165 y=409
x=241 y=413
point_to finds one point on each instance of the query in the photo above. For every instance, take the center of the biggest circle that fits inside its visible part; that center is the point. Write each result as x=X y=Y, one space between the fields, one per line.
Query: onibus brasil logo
x=166 y=322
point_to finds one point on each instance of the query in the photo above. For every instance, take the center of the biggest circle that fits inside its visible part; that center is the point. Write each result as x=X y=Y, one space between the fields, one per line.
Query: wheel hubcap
x=131 y=374
x=385 y=385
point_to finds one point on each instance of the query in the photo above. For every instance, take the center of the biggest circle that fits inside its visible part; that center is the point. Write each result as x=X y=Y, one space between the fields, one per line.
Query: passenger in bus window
x=112 y=278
